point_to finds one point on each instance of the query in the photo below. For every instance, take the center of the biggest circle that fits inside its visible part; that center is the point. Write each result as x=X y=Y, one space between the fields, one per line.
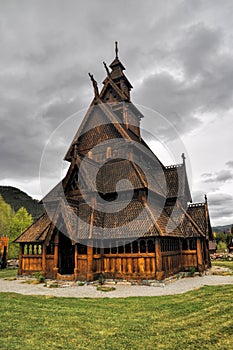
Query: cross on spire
x=205 y=197
x=116 y=49
x=183 y=157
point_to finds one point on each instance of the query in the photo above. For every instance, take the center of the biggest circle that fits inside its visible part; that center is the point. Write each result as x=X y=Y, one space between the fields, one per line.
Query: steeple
x=116 y=63
x=116 y=49
x=117 y=74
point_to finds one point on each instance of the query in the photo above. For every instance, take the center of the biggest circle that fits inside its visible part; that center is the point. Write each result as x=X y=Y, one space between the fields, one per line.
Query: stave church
x=119 y=212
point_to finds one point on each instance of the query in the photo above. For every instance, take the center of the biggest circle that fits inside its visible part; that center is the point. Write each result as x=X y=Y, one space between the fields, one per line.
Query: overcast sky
x=178 y=56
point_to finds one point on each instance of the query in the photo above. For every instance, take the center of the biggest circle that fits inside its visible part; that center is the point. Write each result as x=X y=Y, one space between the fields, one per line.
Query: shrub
x=105 y=289
x=39 y=276
x=101 y=279
x=192 y=271
x=221 y=246
x=80 y=284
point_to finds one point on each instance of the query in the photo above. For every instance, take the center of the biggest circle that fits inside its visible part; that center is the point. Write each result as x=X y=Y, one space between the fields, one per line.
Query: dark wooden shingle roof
x=36 y=232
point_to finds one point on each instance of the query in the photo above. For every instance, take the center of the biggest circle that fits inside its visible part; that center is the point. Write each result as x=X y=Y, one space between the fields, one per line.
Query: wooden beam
x=55 y=257
x=158 y=260
x=89 y=263
x=76 y=262
x=200 y=265
x=21 y=249
x=44 y=269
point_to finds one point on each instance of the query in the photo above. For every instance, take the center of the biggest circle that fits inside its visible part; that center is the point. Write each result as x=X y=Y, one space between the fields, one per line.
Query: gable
x=96 y=128
x=110 y=94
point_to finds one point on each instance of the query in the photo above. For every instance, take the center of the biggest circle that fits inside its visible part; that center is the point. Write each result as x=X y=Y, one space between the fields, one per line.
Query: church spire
x=116 y=49
x=117 y=75
x=116 y=63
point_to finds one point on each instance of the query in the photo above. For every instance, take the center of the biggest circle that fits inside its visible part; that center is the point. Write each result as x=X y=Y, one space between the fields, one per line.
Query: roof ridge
x=174 y=166
x=196 y=205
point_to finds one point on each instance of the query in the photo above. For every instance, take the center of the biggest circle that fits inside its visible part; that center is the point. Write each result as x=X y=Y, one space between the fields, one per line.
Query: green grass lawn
x=5 y=273
x=223 y=263
x=201 y=319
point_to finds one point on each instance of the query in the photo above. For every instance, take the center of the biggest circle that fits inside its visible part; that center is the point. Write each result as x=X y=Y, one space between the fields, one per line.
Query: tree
x=222 y=236
x=6 y=215
x=20 y=221
x=221 y=246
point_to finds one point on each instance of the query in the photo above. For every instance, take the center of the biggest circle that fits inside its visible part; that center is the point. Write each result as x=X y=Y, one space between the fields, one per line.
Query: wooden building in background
x=170 y=236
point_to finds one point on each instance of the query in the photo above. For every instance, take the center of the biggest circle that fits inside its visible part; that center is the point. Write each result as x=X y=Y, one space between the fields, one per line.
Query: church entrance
x=66 y=255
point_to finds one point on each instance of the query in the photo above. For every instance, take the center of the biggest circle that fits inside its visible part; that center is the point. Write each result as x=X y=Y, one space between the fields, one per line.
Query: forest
x=12 y=224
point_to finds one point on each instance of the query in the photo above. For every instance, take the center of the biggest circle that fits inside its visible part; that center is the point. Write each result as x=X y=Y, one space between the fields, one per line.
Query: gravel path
x=122 y=291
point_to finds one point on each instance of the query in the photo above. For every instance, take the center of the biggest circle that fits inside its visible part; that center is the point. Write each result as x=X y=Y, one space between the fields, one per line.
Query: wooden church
x=144 y=228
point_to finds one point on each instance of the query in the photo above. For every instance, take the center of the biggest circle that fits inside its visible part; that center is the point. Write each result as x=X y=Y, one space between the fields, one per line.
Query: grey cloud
x=168 y=96
x=220 y=205
x=194 y=77
x=230 y=163
x=217 y=199
x=221 y=176
x=198 y=48
x=224 y=213
x=206 y=175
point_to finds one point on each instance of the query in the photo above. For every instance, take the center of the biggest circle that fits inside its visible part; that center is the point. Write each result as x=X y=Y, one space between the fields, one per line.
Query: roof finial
x=183 y=157
x=116 y=49
x=94 y=82
x=106 y=67
x=75 y=150
x=205 y=197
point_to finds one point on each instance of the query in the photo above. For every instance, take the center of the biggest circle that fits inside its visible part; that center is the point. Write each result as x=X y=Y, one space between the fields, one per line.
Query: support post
x=44 y=270
x=158 y=260
x=21 y=249
x=181 y=256
x=207 y=254
x=76 y=262
x=200 y=265
x=55 y=257
x=102 y=258
x=89 y=263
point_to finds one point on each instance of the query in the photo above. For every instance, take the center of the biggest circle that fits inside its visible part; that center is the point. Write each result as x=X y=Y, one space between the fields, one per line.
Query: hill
x=17 y=199
x=224 y=228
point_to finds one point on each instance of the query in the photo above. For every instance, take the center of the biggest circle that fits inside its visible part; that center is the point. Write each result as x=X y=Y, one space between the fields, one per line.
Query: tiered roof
x=104 y=122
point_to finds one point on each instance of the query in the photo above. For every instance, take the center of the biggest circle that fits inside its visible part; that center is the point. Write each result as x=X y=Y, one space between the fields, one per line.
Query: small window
x=114 y=250
x=49 y=249
x=135 y=247
x=185 y=244
x=151 y=246
x=121 y=248
x=106 y=250
x=82 y=249
x=128 y=248
x=192 y=244
x=142 y=246
x=108 y=152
